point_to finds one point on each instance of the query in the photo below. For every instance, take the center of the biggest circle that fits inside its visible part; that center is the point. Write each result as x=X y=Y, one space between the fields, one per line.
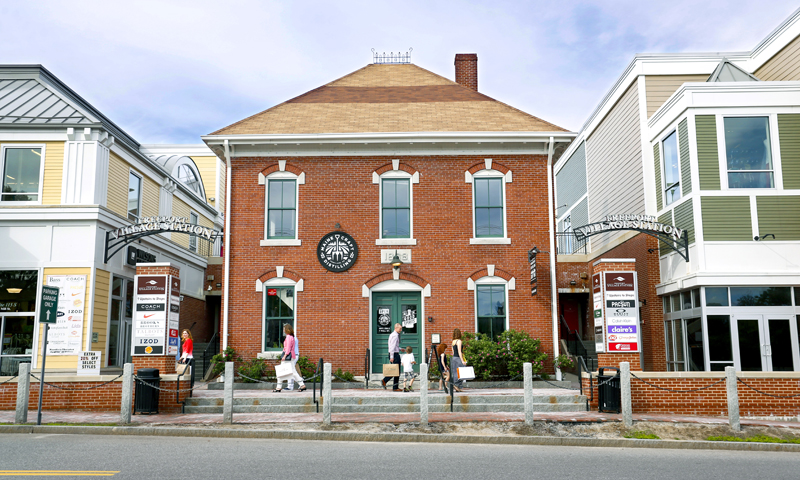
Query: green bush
x=341 y=375
x=563 y=362
x=502 y=358
x=307 y=369
x=254 y=369
x=218 y=360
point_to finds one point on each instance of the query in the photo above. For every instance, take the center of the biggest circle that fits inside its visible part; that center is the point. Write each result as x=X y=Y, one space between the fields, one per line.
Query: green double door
x=389 y=308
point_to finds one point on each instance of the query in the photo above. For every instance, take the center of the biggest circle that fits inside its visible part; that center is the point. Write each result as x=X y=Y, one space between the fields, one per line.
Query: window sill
x=271 y=355
x=490 y=241
x=281 y=242
x=396 y=241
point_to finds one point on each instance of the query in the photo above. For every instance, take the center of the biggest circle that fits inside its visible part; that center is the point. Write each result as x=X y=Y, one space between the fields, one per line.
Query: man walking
x=394 y=356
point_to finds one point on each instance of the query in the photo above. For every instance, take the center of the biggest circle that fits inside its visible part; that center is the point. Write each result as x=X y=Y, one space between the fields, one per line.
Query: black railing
x=582 y=368
x=213 y=344
x=575 y=344
x=366 y=370
x=568 y=244
x=319 y=374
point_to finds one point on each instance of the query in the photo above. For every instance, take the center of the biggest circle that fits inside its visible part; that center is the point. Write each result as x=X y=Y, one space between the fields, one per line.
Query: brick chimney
x=467 y=70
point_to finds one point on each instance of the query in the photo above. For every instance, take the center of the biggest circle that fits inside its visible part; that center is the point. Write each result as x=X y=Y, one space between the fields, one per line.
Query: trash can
x=146 y=397
x=609 y=391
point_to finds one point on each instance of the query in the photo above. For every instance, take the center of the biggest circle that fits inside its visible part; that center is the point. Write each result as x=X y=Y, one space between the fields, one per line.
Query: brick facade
x=333 y=318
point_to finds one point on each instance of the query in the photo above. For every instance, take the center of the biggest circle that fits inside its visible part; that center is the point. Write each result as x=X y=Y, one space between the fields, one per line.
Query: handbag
x=466 y=373
x=283 y=369
x=391 y=369
x=182 y=368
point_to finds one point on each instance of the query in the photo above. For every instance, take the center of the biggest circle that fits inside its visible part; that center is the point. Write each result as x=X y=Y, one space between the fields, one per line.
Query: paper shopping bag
x=391 y=370
x=466 y=373
x=283 y=370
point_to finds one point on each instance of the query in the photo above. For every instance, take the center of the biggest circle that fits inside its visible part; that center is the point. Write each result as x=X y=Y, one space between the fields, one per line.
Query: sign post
x=48 y=312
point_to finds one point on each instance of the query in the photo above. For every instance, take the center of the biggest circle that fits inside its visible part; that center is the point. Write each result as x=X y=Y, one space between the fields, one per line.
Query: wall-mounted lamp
x=584 y=276
x=643 y=302
x=762 y=237
x=573 y=282
x=209 y=287
x=396 y=262
x=430 y=319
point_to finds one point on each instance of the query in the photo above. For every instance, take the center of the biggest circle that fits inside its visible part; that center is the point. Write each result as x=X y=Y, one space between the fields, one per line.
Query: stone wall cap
x=615 y=260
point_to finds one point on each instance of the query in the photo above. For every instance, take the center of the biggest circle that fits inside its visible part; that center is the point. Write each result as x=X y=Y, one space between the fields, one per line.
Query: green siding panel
x=789 y=136
x=683 y=147
x=666 y=219
x=780 y=216
x=726 y=218
x=659 y=187
x=684 y=218
x=707 y=152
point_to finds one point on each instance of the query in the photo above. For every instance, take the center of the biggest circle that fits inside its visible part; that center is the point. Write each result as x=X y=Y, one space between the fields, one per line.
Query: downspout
x=553 y=256
x=226 y=293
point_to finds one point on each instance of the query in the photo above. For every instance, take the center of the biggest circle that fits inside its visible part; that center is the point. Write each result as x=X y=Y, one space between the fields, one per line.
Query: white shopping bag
x=466 y=373
x=284 y=370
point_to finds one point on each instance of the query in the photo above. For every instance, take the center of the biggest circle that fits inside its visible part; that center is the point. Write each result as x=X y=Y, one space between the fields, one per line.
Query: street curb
x=399 y=437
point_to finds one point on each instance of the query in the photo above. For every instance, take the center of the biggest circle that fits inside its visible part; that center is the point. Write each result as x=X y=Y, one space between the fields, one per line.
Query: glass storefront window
x=18 y=290
x=280 y=310
x=761 y=296
x=17 y=343
x=694 y=340
x=676 y=302
x=665 y=301
x=696 y=298
x=749 y=157
x=716 y=296
x=719 y=339
x=687 y=300
x=797 y=296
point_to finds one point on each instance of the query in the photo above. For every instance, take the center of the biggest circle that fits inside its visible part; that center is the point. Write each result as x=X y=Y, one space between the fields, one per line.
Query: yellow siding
x=118 y=179
x=55 y=362
x=149 y=197
x=660 y=87
x=102 y=292
x=180 y=209
x=784 y=66
x=117 y=185
x=53 y=170
x=208 y=174
x=223 y=185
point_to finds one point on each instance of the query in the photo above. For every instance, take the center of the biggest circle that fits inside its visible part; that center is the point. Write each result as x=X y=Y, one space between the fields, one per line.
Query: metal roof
x=28 y=101
x=728 y=72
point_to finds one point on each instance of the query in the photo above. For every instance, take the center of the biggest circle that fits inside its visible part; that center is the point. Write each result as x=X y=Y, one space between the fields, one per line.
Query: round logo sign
x=337 y=251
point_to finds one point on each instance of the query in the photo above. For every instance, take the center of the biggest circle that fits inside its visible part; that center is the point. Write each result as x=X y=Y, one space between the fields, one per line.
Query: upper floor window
x=672 y=178
x=281 y=209
x=396 y=208
x=22 y=175
x=194 y=220
x=748 y=153
x=491 y=300
x=134 y=197
x=489 y=221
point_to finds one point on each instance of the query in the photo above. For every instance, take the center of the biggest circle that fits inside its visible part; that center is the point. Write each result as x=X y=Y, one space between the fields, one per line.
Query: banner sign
x=621 y=312
x=89 y=363
x=532 y=264
x=672 y=236
x=65 y=336
x=150 y=314
x=174 y=315
x=597 y=313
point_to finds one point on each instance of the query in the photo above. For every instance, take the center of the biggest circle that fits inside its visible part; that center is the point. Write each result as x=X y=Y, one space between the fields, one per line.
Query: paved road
x=213 y=458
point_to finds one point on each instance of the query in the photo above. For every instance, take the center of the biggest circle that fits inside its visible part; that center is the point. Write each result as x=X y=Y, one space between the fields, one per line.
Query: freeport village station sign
x=674 y=237
x=117 y=239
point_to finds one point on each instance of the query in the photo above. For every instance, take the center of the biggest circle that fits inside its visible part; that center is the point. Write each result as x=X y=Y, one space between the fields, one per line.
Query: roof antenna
x=391 y=57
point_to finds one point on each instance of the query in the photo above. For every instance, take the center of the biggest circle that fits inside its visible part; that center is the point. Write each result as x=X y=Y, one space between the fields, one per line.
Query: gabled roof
x=728 y=72
x=389 y=98
x=27 y=100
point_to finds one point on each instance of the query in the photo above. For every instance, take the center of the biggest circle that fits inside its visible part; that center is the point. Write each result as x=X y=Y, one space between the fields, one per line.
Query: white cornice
x=191 y=150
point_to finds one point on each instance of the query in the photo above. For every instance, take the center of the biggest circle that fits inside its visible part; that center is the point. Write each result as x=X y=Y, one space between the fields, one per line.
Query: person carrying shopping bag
x=457 y=360
x=286 y=356
x=295 y=357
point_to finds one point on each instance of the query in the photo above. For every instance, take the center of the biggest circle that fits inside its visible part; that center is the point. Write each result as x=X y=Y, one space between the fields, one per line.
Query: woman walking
x=458 y=360
x=441 y=359
x=187 y=348
x=288 y=356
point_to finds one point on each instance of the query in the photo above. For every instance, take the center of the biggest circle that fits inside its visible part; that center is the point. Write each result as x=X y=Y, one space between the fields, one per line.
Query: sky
x=170 y=71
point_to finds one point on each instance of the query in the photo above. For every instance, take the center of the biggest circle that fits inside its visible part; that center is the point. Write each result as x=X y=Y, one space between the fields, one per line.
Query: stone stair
x=396 y=403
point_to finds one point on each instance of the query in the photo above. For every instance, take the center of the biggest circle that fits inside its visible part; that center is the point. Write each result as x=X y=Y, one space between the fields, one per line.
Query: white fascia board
x=190 y=150
x=774 y=42
x=37 y=134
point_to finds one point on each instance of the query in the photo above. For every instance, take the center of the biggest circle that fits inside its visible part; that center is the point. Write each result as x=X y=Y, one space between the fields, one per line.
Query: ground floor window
x=18 y=289
x=491 y=300
x=279 y=310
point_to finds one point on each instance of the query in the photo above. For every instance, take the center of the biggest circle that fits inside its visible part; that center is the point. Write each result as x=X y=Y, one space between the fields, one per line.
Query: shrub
x=307 y=369
x=563 y=362
x=504 y=357
x=254 y=369
x=339 y=374
x=218 y=361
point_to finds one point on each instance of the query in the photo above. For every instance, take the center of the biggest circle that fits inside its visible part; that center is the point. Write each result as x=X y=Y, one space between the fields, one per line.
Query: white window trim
x=491 y=280
x=141 y=193
x=663 y=167
x=395 y=174
x=774 y=145
x=41 y=170
x=275 y=282
x=490 y=173
x=299 y=180
x=193 y=237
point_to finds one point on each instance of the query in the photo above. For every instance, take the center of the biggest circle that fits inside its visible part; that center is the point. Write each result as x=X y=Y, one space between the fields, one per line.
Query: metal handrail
x=581 y=368
x=205 y=352
x=567 y=243
x=573 y=336
x=321 y=375
x=366 y=370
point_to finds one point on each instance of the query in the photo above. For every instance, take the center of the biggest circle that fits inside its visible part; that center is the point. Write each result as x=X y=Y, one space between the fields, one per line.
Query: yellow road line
x=50 y=473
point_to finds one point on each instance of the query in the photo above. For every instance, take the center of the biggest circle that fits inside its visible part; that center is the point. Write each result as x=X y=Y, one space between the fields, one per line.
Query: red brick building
x=326 y=188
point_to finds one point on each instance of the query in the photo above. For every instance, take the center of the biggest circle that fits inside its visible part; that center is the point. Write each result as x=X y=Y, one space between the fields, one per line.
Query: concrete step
x=410 y=408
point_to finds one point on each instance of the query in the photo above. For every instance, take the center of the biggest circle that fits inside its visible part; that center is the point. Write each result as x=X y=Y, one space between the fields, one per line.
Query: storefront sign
x=409 y=322
x=136 y=255
x=597 y=313
x=164 y=224
x=337 y=251
x=150 y=314
x=621 y=312
x=173 y=334
x=65 y=337
x=532 y=264
x=384 y=320
x=89 y=363
x=675 y=237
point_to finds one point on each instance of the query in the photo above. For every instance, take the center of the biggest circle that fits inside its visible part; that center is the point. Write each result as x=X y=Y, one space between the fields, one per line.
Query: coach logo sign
x=337 y=251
